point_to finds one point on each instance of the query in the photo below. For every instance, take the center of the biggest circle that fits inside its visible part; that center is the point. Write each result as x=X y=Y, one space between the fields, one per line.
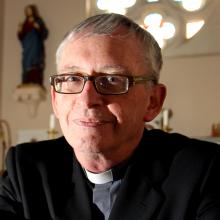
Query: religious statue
x=32 y=34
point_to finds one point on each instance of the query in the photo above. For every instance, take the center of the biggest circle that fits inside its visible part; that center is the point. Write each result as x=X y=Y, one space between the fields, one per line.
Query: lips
x=91 y=122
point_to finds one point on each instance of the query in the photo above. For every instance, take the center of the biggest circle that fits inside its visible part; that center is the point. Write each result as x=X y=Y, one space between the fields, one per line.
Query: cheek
x=139 y=106
x=129 y=109
x=63 y=106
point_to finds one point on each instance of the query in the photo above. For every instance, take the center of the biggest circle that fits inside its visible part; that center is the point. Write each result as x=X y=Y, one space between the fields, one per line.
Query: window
x=171 y=22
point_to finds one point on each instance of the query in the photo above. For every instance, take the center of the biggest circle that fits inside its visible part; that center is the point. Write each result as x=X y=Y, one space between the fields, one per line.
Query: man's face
x=108 y=124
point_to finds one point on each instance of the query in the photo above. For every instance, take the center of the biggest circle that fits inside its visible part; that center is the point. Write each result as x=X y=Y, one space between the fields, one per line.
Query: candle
x=165 y=118
x=52 y=122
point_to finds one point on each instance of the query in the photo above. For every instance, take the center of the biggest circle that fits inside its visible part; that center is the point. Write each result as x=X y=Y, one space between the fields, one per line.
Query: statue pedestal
x=31 y=95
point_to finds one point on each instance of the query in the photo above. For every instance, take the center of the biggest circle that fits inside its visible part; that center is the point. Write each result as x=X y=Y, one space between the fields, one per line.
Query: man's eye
x=59 y=80
x=72 y=79
x=114 y=79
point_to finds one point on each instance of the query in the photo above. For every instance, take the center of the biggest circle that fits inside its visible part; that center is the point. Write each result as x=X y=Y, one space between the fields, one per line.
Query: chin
x=86 y=140
x=89 y=147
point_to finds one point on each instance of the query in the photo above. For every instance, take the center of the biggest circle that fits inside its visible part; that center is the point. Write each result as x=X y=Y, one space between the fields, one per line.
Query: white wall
x=193 y=93
x=1 y=52
x=193 y=81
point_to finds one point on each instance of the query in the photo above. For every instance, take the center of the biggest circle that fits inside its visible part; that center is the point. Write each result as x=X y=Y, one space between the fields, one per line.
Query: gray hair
x=106 y=24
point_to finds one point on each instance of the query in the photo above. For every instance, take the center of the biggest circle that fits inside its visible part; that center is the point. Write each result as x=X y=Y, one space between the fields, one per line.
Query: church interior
x=190 y=68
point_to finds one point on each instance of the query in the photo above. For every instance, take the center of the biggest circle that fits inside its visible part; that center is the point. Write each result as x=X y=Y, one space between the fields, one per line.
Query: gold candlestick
x=167 y=129
x=52 y=133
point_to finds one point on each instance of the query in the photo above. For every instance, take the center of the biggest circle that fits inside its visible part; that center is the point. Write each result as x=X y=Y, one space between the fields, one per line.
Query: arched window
x=171 y=22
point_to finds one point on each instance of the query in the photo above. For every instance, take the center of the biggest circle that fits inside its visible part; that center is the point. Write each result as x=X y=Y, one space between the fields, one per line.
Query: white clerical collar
x=99 y=178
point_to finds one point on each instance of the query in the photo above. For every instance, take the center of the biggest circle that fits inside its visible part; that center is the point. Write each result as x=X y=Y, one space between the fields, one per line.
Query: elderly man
x=107 y=165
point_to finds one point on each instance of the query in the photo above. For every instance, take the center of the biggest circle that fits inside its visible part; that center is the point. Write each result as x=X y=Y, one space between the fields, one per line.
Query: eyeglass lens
x=110 y=84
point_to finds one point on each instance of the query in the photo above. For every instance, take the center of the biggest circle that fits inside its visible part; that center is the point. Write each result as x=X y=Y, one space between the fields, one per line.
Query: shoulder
x=45 y=145
x=177 y=142
x=37 y=165
x=48 y=150
x=161 y=153
x=174 y=147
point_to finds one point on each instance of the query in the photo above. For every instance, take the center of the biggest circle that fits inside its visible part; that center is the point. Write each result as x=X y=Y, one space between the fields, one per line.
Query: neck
x=100 y=162
x=95 y=162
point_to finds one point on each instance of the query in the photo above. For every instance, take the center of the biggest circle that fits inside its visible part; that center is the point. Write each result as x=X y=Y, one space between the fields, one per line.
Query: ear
x=156 y=100
x=53 y=101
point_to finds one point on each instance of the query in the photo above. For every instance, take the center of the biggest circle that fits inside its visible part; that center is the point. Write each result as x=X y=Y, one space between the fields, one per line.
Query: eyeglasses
x=114 y=84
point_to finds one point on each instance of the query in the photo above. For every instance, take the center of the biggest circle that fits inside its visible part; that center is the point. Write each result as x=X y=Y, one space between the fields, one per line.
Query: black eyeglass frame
x=132 y=80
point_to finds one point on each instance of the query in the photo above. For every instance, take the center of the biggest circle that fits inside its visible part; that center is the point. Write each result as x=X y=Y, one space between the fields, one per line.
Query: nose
x=89 y=96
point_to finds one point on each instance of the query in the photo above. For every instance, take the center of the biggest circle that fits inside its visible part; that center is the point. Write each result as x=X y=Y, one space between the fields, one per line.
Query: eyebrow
x=113 y=68
x=105 y=69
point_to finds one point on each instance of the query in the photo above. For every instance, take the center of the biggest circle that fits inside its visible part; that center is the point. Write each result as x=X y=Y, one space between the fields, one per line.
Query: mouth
x=90 y=122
